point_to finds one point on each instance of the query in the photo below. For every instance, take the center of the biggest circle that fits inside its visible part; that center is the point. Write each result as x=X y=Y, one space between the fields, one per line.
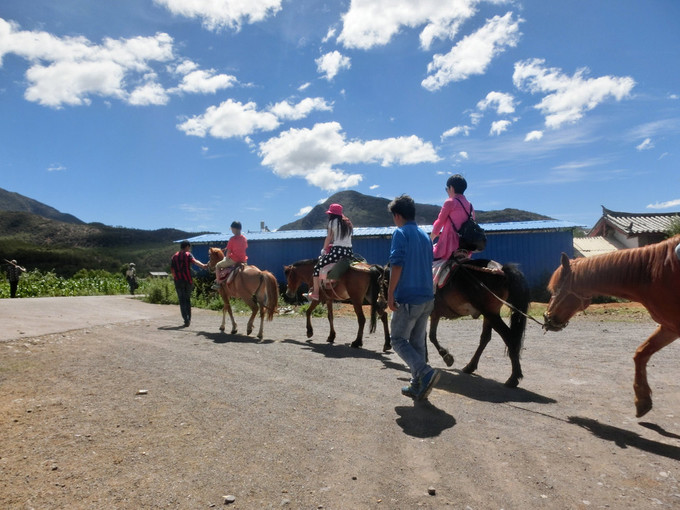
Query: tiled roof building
x=633 y=229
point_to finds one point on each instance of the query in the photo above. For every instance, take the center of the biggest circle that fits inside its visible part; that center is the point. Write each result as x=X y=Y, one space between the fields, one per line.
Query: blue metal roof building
x=534 y=245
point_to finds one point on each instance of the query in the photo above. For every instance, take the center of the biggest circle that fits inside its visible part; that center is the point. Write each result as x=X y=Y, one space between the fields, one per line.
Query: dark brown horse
x=474 y=290
x=356 y=286
x=258 y=289
x=649 y=275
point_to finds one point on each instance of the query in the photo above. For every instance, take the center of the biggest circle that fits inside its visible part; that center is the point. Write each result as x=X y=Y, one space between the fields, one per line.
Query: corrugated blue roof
x=516 y=226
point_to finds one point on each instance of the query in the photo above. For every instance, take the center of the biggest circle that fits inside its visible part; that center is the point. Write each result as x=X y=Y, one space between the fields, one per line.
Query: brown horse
x=649 y=275
x=258 y=289
x=356 y=286
x=474 y=290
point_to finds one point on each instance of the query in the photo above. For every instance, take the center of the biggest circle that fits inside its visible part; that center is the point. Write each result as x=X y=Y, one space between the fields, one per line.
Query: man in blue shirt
x=410 y=296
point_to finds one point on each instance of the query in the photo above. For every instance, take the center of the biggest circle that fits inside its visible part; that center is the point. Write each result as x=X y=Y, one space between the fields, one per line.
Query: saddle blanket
x=443 y=269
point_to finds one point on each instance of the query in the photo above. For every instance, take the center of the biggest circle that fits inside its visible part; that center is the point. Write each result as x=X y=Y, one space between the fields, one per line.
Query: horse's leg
x=260 y=334
x=484 y=339
x=386 y=327
x=445 y=354
x=513 y=345
x=643 y=393
x=361 y=319
x=331 y=333
x=253 y=312
x=234 y=329
x=310 y=309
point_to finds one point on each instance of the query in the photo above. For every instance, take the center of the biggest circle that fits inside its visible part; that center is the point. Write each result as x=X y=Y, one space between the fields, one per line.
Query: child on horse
x=235 y=252
x=337 y=245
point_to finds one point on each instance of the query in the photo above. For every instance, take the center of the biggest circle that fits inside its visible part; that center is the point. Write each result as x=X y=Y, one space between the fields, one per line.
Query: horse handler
x=410 y=296
x=180 y=265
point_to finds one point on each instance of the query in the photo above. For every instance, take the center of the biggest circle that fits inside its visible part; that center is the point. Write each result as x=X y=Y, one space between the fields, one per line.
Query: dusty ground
x=107 y=403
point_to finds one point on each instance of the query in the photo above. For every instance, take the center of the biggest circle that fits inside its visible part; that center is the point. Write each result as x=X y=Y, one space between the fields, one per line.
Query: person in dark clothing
x=180 y=266
x=14 y=271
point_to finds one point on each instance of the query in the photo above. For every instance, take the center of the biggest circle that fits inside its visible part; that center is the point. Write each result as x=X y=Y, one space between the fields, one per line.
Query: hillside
x=10 y=201
x=367 y=211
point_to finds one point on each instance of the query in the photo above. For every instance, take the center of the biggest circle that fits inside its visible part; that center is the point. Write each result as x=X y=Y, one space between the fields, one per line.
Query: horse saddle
x=226 y=274
x=442 y=270
x=331 y=273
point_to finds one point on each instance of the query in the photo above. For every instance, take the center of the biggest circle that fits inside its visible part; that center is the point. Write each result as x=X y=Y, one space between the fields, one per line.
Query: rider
x=235 y=252
x=337 y=245
x=453 y=212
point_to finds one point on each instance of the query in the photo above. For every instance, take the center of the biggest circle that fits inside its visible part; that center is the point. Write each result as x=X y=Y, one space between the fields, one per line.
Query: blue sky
x=192 y=113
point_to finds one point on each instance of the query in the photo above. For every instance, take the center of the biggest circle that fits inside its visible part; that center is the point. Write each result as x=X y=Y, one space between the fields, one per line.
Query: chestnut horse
x=649 y=275
x=474 y=290
x=258 y=289
x=356 y=286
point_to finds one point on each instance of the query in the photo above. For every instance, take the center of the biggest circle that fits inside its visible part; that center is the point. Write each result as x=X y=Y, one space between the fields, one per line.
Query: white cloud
x=370 y=23
x=149 y=93
x=473 y=54
x=218 y=14
x=205 y=82
x=568 y=97
x=645 y=145
x=284 y=110
x=314 y=154
x=331 y=63
x=455 y=131
x=504 y=103
x=463 y=155
x=230 y=119
x=374 y=186
x=533 y=136
x=304 y=211
x=56 y=167
x=329 y=35
x=665 y=205
x=499 y=127
x=304 y=87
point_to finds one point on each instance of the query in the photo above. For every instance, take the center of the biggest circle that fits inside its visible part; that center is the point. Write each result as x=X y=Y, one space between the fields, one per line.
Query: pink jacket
x=448 y=237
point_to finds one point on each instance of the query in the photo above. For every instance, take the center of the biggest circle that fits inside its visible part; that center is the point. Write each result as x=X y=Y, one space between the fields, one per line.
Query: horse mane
x=634 y=266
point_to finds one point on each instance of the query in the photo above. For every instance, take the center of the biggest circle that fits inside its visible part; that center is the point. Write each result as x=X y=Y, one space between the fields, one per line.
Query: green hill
x=367 y=211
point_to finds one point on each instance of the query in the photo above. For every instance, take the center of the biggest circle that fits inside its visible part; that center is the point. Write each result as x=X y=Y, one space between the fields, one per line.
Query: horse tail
x=520 y=297
x=271 y=300
x=374 y=293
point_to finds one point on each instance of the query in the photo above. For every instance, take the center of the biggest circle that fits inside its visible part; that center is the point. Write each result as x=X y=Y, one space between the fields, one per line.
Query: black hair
x=457 y=182
x=236 y=224
x=346 y=227
x=404 y=206
x=184 y=244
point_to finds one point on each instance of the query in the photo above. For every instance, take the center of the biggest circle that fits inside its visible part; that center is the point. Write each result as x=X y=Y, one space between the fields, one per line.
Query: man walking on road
x=180 y=265
x=410 y=296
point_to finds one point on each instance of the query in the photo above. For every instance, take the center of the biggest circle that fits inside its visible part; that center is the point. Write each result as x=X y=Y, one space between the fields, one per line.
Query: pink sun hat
x=335 y=209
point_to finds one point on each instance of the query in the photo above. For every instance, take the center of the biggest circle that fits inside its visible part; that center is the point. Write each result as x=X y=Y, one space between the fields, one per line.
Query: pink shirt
x=236 y=248
x=458 y=214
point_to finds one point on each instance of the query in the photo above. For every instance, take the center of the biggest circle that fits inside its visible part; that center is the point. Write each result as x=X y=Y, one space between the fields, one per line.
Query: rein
x=509 y=305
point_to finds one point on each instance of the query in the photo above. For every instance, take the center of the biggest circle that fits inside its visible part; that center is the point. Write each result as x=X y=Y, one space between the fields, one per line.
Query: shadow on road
x=336 y=350
x=224 y=338
x=625 y=438
x=423 y=419
x=486 y=390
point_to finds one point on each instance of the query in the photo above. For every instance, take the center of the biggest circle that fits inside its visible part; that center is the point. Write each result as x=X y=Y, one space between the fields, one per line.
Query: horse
x=356 y=286
x=258 y=289
x=649 y=275
x=474 y=289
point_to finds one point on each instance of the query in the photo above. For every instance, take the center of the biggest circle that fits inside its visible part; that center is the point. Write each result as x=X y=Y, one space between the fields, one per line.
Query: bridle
x=583 y=304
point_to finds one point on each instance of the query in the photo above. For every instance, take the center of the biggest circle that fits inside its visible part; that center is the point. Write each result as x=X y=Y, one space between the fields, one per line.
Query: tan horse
x=258 y=289
x=649 y=275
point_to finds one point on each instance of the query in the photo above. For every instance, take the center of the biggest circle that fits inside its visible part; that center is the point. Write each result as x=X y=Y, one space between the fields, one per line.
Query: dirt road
x=107 y=403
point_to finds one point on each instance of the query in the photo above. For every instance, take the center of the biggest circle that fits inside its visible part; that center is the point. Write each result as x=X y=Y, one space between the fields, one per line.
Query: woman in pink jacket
x=453 y=214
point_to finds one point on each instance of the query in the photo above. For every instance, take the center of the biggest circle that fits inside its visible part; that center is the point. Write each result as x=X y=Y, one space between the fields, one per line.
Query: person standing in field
x=14 y=271
x=410 y=296
x=180 y=266
x=131 y=277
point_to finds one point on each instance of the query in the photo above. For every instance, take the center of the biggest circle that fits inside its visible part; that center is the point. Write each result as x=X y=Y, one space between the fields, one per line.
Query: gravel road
x=106 y=402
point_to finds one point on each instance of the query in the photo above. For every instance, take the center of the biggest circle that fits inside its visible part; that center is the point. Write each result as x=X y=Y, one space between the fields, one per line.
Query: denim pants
x=409 y=333
x=184 y=289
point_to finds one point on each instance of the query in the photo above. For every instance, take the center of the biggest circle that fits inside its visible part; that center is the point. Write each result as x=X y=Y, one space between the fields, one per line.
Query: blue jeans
x=184 y=289
x=409 y=334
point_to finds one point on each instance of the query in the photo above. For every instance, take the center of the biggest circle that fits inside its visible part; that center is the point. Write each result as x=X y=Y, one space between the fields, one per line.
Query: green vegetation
x=674 y=229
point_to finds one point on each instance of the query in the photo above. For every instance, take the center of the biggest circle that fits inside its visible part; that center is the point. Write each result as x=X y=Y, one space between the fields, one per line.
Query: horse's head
x=564 y=301
x=292 y=281
x=214 y=256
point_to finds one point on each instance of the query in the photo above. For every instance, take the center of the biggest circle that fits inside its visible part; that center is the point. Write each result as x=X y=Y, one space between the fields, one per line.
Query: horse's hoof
x=259 y=337
x=448 y=359
x=512 y=383
x=222 y=329
x=643 y=407
x=387 y=347
x=234 y=331
x=330 y=340
x=310 y=333
x=468 y=369
x=357 y=344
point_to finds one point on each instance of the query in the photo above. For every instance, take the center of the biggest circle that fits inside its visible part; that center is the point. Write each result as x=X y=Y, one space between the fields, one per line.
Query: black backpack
x=472 y=236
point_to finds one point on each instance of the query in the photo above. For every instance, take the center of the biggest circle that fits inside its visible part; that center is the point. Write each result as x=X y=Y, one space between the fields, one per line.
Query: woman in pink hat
x=337 y=245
